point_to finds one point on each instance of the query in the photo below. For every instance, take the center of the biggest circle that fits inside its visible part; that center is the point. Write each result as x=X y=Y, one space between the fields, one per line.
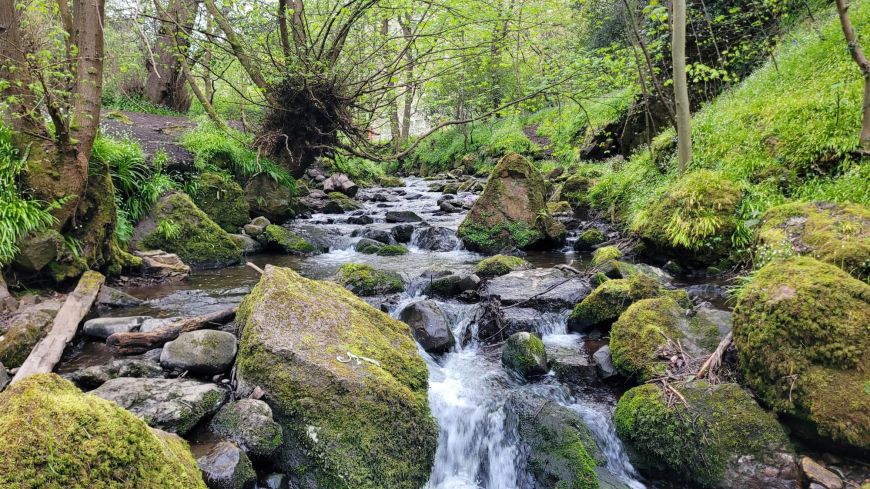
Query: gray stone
x=249 y=244
x=256 y=226
x=429 y=325
x=112 y=297
x=402 y=233
x=204 y=351
x=604 y=363
x=174 y=405
x=4 y=377
x=379 y=235
x=248 y=423
x=340 y=182
x=468 y=282
x=435 y=238
x=162 y=266
x=402 y=216
x=368 y=246
x=447 y=286
x=548 y=289
x=105 y=327
x=155 y=323
x=277 y=481
x=360 y=220
x=571 y=364
x=817 y=473
x=226 y=466
x=268 y=198
x=97 y=375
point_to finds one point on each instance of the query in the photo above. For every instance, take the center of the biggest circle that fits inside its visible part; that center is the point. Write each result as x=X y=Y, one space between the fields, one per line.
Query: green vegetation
x=392 y=250
x=364 y=280
x=223 y=200
x=279 y=238
x=605 y=254
x=497 y=265
x=523 y=353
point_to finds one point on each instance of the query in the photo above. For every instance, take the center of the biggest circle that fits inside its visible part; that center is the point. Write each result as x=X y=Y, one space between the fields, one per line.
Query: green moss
x=575 y=190
x=23 y=333
x=362 y=424
x=589 y=238
x=346 y=203
x=605 y=254
x=223 y=200
x=364 y=280
x=497 y=265
x=560 y=207
x=53 y=436
x=524 y=354
x=838 y=234
x=180 y=227
x=282 y=239
x=612 y=298
x=443 y=286
x=640 y=332
x=392 y=250
x=701 y=439
x=802 y=332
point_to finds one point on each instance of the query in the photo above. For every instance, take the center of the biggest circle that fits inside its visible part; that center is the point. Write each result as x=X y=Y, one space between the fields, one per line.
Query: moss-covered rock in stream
x=838 y=234
x=280 y=239
x=511 y=211
x=21 y=332
x=177 y=225
x=610 y=299
x=365 y=280
x=346 y=203
x=223 y=200
x=350 y=393
x=589 y=239
x=575 y=191
x=645 y=336
x=268 y=198
x=55 y=437
x=718 y=437
x=523 y=353
x=694 y=220
x=802 y=332
x=605 y=254
x=499 y=265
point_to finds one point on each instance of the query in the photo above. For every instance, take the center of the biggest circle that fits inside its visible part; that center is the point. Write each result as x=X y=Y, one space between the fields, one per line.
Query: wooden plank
x=134 y=343
x=48 y=351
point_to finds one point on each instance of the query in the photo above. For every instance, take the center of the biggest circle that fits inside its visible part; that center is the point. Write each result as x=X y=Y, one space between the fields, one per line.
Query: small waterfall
x=602 y=427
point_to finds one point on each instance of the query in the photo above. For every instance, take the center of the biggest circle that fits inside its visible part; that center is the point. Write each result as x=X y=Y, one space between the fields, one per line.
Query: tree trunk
x=681 y=90
x=863 y=65
x=393 y=103
x=139 y=342
x=410 y=88
x=166 y=84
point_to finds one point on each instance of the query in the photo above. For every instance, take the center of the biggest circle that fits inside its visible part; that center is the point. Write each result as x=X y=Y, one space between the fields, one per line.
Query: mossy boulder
x=20 y=333
x=343 y=379
x=802 y=332
x=589 y=239
x=498 y=265
x=523 y=353
x=610 y=299
x=390 y=181
x=511 y=211
x=249 y=424
x=603 y=255
x=365 y=280
x=694 y=220
x=392 y=250
x=838 y=234
x=54 y=436
x=645 y=336
x=281 y=239
x=346 y=203
x=574 y=190
x=178 y=226
x=223 y=200
x=268 y=198
x=718 y=437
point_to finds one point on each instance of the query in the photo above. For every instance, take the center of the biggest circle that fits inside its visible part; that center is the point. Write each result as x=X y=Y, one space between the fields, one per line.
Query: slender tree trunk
x=681 y=90
x=282 y=28
x=410 y=88
x=863 y=64
x=166 y=85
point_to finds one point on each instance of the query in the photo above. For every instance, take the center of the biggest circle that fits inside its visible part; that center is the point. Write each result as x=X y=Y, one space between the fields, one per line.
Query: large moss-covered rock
x=718 y=437
x=838 y=234
x=646 y=335
x=178 y=226
x=343 y=379
x=802 y=332
x=223 y=200
x=266 y=197
x=22 y=331
x=280 y=239
x=498 y=265
x=365 y=280
x=53 y=436
x=694 y=220
x=610 y=299
x=512 y=211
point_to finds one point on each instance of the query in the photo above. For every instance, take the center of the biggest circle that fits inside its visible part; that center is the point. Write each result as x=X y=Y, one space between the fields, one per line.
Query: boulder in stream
x=223 y=200
x=105 y=327
x=23 y=330
x=524 y=354
x=161 y=266
x=204 y=352
x=97 y=375
x=111 y=297
x=226 y=466
x=281 y=239
x=498 y=265
x=339 y=182
x=435 y=238
x=268 y=198
x=248 y=423
x=429 y=325
x=365 y=280
x=548 y=289
x=53 y=435
x=402 y=216
x=350 y=393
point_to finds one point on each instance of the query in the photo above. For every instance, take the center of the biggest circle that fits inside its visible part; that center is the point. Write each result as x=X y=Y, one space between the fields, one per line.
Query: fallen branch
x=48 y=351
x=715 y=360
x=140 y=342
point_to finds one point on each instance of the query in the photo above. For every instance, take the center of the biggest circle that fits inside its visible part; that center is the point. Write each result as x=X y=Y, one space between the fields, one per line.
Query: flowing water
x=478 y=445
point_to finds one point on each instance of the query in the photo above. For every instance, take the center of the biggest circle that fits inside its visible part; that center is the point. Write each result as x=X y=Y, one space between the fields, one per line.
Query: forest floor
x=544 y=142
x=152 y=132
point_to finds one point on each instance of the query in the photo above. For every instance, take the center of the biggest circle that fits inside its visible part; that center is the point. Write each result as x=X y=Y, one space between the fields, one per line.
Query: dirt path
x=545 y=143
x=153 y=132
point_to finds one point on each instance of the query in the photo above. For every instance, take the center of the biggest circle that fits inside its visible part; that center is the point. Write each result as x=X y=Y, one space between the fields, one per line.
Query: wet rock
x=361 y=220
x=21 y=332
x=95 y=376
x=707 y=292
x=524 y=354
x=223 y=200
x=818 y=474
x=112 y=297
x=447 y=286
x=152 y=355
x=268 y=198
x=277 y=481
x=256 y=226
x=226 y=466
x=281 y=239
x=339 y=182
x=604 y=363
x=249 y=424
x=4 y=377
x=346 y=203
x=429 y=325
x=588 y=239
x=368 y=246
x=571 y=364
x=248 y=244
x=450 y=207
x=204 y=351
x=468 y=283
x=436 y=238
x=379 y=235
x=321 y=237
x=151 y=324
x=161 y=266
x=174 y=405
x=547 y=289
x=276 y=320
x=365 y=280
x=402 y=216
x=498 y=265
x=105 y=327
x=402 y=233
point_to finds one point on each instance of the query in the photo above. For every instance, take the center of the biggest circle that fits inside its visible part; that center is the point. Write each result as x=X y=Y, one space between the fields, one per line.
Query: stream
x=478 y=446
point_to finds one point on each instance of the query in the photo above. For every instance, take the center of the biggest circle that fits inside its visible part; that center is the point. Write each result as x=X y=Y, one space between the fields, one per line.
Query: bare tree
x=863 y=65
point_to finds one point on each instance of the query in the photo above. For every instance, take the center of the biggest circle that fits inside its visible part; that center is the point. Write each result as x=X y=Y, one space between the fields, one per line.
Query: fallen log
x=134 y=343
x=715 y=360
x=48 y=351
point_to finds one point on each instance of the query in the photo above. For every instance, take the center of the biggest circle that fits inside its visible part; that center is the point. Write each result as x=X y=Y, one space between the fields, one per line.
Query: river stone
x=256 y=226
x=204 y=351
x=226 y=466
x=105 y=327
x=368 y=246
x=95 y=376
x=4 y=377
x=151 y=324
x=496 y=323
x=360 y=220
x=402 y=216
x=174 y=405
x=571 y=364
x=604 y=363
x=112 y=297
x=268 y=198
x=21 y=332
x=162 y=266
x=402 y=233
x=447 y=286
x=249 y=245
x=815 y=472
x=379 y=235
x=549 y=289
x=524 y=354
x=339 y=182
x=248 y=423
x=344 y=380
x=435 y=238
x=429 y=325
